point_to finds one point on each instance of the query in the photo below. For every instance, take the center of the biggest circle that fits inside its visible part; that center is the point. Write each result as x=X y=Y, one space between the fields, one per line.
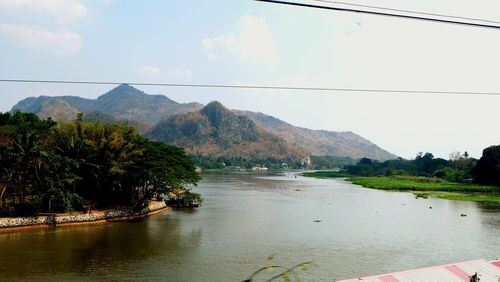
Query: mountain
x=53 y=107
x=321 y=142
x=123 y=103
x=224 y=131
x=129 y=103
x=215 y=130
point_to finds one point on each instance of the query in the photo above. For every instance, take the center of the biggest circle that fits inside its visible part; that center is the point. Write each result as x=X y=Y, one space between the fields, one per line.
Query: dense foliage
x=487 y=170
x=428 y=176
x=330 y=162
x=46 y=166
x=458 y=169
x=212 y=162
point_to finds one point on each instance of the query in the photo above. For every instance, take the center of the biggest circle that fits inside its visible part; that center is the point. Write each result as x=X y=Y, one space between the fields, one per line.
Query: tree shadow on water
x=115 y=250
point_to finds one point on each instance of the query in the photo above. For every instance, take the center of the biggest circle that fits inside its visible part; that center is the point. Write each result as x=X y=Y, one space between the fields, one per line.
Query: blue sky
x=255 y=43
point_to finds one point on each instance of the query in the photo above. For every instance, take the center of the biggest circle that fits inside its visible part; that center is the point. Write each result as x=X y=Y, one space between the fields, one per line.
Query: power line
x=382 y=14
x=406 y=11
x=261 y=87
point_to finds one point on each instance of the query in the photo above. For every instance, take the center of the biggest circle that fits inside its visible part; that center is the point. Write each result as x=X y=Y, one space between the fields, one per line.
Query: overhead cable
x=407 y=11
x=387 y=14
x=258 y=87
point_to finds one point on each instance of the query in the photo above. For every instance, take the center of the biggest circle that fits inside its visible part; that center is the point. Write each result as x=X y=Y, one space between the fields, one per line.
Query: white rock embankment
x=7 y=223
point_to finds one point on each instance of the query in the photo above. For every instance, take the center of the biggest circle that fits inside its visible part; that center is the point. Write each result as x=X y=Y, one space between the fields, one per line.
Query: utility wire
x=261 y=87
x=479 y=25
x=406 y=11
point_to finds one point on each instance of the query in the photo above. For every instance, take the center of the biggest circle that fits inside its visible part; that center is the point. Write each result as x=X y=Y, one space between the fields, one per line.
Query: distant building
x=306 y=161
x=259 y=168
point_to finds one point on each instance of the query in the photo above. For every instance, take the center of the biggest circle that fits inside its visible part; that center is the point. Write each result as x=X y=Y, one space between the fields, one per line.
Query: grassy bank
x=412 y=183
x=422 y=186
x=473 y=197
x=433 y=187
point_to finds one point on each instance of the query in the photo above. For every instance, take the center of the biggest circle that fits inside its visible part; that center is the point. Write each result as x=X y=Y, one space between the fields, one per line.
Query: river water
x=348 y=231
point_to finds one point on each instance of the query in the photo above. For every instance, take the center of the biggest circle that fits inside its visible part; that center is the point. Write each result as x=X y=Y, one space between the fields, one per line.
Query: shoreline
x=33 y=223
x=422 y=187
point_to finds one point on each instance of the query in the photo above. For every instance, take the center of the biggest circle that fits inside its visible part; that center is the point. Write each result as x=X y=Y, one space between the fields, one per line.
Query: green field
x=433 y=187
x=474 y=197
x=422 y=186
x=413 y=183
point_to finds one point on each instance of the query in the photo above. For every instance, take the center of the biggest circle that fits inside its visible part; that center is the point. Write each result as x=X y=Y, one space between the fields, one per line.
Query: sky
x=244 y=42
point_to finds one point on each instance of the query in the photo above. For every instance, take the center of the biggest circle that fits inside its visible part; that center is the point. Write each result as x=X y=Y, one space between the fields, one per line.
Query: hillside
x=144 y=111
x=123 y=103
x=52 y=107
x=215 y=130
x=321 y=142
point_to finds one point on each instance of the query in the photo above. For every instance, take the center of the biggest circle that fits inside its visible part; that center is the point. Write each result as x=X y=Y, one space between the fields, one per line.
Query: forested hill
x=321 y=142
x=123 y=103
x=215 y=130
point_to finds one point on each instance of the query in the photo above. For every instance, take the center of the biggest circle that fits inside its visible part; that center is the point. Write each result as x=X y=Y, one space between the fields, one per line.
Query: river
x=348 y=231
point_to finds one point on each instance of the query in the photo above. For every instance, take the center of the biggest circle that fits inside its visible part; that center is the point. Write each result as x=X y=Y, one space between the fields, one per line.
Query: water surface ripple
x=247 y=217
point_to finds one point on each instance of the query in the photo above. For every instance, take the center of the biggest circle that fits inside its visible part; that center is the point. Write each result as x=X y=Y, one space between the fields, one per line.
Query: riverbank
x=9 y=224
x=422 y=186
x=434 y=187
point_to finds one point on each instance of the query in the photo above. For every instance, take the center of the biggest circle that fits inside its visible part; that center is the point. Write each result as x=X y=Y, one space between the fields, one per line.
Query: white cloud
x=63 y=10
x=106 y=2
x=148 y=70
x=252 y=42
x=62 y=41
x=158 y=73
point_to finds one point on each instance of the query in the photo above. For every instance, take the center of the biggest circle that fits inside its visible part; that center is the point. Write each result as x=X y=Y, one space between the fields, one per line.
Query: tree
x=63 y=167
x=366 y=167
x=462 y=165
x=104 y=155
x=28 y=162
x=426 y=164
x=487 y=170
x=6 y=174
x=450 y=174
x=164 y=168
x=28 y=145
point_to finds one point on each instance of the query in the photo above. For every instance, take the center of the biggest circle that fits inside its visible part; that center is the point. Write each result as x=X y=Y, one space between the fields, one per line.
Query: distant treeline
x=317 y=162
x=226 y=162
x=74 y=165
x=459 y=168
x=330 y=162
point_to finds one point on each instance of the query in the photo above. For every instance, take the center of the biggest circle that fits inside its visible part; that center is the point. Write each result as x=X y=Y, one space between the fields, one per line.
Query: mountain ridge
x=321 y=142
x=124 y=102
x=218 y=131
x=145 y=111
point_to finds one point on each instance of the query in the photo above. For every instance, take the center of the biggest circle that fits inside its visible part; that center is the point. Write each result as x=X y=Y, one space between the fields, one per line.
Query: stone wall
x=94 y=216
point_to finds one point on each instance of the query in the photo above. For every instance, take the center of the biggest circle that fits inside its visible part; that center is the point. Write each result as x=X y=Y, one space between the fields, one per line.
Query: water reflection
x=91 y=251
